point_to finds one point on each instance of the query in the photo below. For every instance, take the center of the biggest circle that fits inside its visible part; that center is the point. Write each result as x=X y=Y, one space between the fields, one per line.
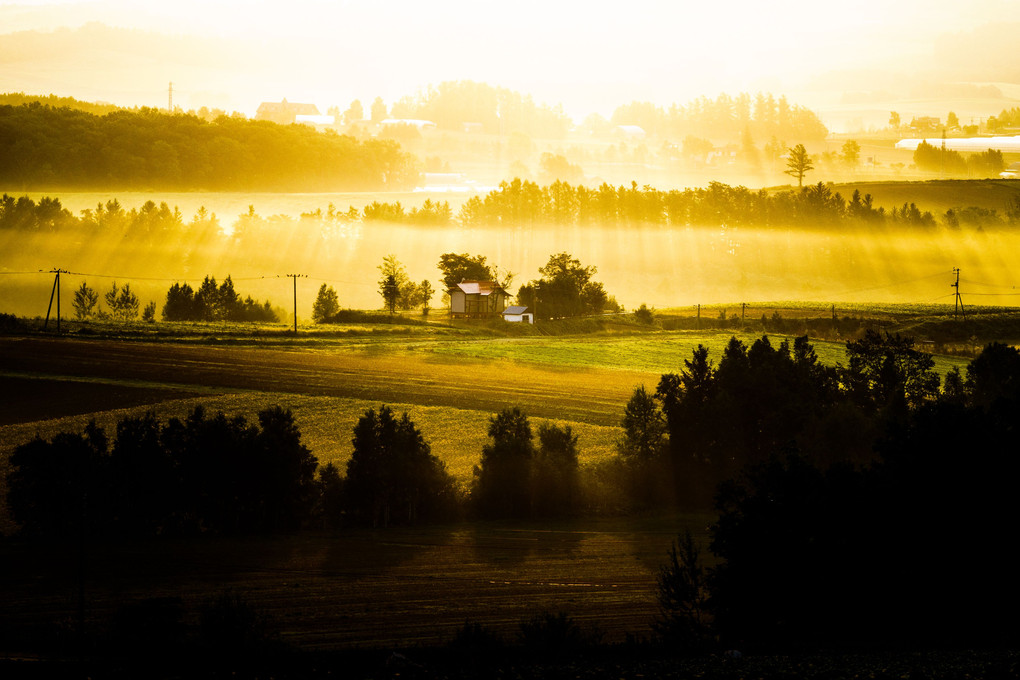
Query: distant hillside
x=938 y=196
x=20 y=99
x=42 y=146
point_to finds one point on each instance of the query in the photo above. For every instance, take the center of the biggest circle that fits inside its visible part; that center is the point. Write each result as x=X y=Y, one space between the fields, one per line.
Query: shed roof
x=515 y=309
x=479 y=287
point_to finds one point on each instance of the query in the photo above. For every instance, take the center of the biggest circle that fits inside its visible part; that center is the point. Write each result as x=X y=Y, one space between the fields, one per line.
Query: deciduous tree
x=327 y=304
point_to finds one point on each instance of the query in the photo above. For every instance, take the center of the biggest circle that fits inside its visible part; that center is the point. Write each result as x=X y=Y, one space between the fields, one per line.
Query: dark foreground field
x=386 y=589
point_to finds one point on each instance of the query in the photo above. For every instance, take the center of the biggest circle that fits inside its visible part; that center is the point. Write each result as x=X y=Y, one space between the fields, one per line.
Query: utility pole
x=295 y=277
x=55 y=292
x=958 y=302
x=743 y=309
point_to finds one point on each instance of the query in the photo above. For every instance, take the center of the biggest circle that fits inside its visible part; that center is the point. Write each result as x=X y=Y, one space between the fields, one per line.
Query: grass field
x=937 y=196
x=400 y=587
x=653 y=354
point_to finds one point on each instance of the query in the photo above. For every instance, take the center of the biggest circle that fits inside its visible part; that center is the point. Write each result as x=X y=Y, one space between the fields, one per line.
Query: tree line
x=876 y=515
x=522 y=203
x=211 y=302
x=935 y=159
x=44 y=145
x=226 y=475
x=452 y=104
x=762 y=116
x=566 y=288
x=515 y=203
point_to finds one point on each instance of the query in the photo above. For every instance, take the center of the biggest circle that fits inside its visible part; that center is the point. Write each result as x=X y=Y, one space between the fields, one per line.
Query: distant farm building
x=315 y=121
x=518 y=314
x=629 y=131
x=419 y=125
x=1011 y=172
x=477 y=300
x=284 y=112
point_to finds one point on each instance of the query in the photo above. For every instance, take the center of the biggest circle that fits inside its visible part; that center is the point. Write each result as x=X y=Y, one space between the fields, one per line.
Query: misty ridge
x=739 y=242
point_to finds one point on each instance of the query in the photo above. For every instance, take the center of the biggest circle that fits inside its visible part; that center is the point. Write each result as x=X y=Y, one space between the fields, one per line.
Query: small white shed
x=518 y=314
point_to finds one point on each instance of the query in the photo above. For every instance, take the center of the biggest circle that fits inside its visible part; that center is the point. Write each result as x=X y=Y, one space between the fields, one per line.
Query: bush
x=555 y=635
x=683 y=620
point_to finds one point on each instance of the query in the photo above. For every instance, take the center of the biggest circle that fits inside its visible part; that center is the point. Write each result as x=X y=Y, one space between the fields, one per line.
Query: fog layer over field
x=656 y=265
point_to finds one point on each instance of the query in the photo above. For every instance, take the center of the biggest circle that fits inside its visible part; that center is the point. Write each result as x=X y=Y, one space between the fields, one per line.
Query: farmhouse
x=518 y=314
x=477 y=299
x=284 y=112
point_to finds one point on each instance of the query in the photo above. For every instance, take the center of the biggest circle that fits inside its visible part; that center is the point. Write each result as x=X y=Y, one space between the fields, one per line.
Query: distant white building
x=518 y=314
x=314 y=120
x=420 y=125
x=629 y=131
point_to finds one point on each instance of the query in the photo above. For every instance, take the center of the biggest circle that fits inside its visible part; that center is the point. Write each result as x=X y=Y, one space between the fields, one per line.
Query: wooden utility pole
x=295 y=277
x=55 y=292
x=958 y=302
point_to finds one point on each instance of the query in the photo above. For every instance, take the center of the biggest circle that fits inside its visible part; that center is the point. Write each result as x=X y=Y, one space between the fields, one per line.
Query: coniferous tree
x=85 y=301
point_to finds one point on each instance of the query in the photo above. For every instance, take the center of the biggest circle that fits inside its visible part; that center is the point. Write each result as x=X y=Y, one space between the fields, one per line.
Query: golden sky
x=589 y=56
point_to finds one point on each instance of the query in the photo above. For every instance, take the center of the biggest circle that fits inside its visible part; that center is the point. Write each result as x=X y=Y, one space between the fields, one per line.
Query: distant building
x=477 y=299
x=419 y=125
x=1011 y=172
x=284 y=112
x=518 y=314
x=629 y=131
x=315 y=121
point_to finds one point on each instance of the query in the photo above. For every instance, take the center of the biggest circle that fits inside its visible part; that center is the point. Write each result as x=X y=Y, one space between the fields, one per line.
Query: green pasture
x=326 y=423
x=654 y=353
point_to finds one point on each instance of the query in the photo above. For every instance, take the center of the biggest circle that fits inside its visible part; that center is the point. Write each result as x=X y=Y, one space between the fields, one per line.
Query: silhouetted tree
x=463 y=267
x=885 y=371
x=85 y=301
x=426 y=292
x=684 y=620
x=502 y=480
x=122 y=302
x=554 y=472
x=392 y=476
x=565 y=289
x=798 y=163
x=60 y=488
x=327 y=304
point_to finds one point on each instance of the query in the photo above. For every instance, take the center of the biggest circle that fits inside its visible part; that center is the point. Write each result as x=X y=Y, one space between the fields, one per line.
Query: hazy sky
x=588 y=56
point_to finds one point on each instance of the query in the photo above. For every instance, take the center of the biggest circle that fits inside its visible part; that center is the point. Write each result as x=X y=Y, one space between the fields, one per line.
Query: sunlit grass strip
x=656 y=353
x=456 y=435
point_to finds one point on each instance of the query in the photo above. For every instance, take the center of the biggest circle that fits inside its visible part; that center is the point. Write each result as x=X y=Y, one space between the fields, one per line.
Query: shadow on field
x=497 y=545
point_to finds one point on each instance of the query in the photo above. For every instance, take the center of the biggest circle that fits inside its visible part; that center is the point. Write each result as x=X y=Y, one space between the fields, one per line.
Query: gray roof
x=515 y=309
